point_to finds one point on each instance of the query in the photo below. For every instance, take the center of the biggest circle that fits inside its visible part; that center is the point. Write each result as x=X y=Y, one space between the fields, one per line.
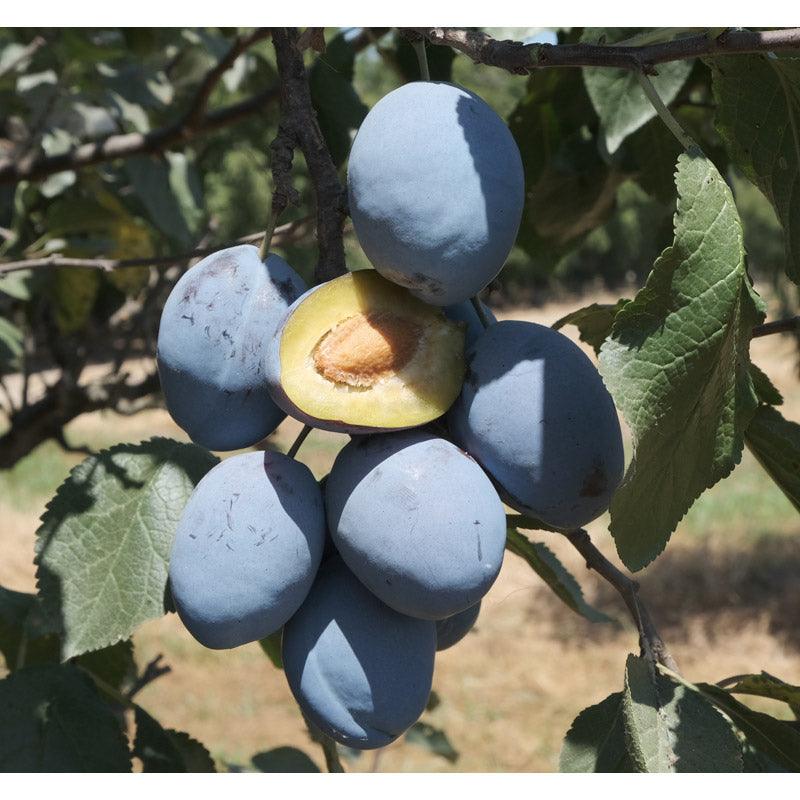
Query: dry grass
x=725 y=595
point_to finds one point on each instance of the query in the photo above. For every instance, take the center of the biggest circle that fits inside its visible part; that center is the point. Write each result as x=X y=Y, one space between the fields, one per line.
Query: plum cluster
x=370 y=572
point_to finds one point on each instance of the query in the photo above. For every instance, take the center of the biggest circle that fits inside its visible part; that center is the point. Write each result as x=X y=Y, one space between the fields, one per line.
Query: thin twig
x=651 y=642
x=790 y=325
x=730 y=681
x=37 y=43
x=283 y=235
x=298 y=442
x=520 y=59
x=329 y=749
x=125 y=145
x=197 y=109
x=478 y=306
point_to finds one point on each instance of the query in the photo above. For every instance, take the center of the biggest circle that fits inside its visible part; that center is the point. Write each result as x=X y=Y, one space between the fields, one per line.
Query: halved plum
x=360 y=354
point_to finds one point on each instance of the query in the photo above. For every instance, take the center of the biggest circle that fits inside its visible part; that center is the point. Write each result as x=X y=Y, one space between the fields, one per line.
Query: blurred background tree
x=150 y=145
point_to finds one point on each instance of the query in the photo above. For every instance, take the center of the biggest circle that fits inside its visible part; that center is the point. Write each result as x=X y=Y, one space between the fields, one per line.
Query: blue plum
x=465 y=312
x=535 y=413
x=215 y=329
x=453 y=629
x=359 y=670
x=436 y=189
x=417 y=520
x=247 y=548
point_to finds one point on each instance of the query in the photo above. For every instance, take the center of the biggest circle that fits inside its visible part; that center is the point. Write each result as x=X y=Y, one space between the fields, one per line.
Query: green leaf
x=677 y=365
x=103 y=546
x=283 y=759
x=765 y=389
x=545 y=564
x=432 y=739
x=618 y=98
x=766 y=685
x=10 y=346
x=775 y=738
x=271 y=646
x=338 y=106
x=25 y=639
x=55 y=721
x=164 y=188
x=758 y=117
x=165 y=750
x=756 y=761
x=115 y=665
x=626 y=243
x=569 y=188
x=73 y=293
x=17 y=284
x=593 y=322
x=775 y=442
x=596 y=740
x=670 y=728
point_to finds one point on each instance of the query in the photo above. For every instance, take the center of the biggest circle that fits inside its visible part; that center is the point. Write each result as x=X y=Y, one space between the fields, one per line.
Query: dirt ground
x=726 y=596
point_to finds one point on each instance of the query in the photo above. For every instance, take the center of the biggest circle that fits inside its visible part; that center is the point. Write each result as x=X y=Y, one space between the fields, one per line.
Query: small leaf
x=775 y=442
x=765 y=389
x=593 y=322
x=165 y=750
x=271 y=646
x=758 y=117
x=596 y=740
x=115 y=665
x=766 y=685
x=677 y=366
x=10 y=345
x=432 y=739
x=283 y=759
x=617 y=96
x=105 y=538
x=55 y=721
x=340 y=110
x=545 y=564
x=162 y=187
x=24 y=639
x=775 y=738
x=670 y=728
x=73 y=293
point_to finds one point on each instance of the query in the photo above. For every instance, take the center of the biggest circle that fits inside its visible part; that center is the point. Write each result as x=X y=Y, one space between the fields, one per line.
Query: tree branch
x=790 y=325
x=194 y=122
x=44 y=419
x=299 y=127
x=125 y=145
x=649 y=639
x=521 y=59
x=196 y=111
x=285 y=234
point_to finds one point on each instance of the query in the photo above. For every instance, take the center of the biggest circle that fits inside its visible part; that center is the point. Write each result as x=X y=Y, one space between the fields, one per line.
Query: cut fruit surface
x=361 y=354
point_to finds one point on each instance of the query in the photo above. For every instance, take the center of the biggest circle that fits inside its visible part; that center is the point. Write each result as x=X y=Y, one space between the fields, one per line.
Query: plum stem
x=329 y=749
x=478 y=306
x=298 y=442
x=272 y=221
x=422 y=57
x=651 y=643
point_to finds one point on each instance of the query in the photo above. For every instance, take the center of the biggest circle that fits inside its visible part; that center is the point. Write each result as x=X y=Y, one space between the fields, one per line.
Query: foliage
x=603 y=177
